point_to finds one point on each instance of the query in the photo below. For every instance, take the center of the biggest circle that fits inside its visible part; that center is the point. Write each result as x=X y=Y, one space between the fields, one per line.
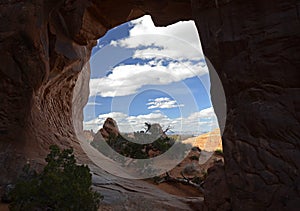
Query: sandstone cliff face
x=254 y=46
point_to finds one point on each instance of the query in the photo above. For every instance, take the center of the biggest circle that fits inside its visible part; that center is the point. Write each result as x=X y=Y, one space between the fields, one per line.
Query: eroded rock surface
x=254 y=46
x=110 y=129
x=217 y=195
x=124 y=194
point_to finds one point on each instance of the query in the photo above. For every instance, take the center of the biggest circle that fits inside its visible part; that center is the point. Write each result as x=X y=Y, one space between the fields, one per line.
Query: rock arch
x=254 y=46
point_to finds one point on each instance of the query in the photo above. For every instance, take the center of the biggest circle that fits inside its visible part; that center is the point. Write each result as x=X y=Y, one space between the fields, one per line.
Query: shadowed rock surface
x=124 y=194
x=253 y=45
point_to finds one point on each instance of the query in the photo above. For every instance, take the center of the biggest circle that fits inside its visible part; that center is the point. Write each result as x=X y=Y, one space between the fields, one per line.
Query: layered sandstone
x=254 y=46
x=209 y=142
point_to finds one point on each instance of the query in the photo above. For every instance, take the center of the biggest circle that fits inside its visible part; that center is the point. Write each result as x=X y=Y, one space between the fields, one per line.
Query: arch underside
x=253 y=45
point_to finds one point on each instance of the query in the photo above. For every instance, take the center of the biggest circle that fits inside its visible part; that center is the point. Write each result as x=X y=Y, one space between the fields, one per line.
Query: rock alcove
x=254 y=46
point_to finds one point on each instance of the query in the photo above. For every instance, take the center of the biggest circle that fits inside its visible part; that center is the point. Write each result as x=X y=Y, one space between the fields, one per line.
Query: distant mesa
x=209 y=142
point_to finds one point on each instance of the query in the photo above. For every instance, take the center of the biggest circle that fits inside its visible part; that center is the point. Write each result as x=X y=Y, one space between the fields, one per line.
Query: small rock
x=190 y=169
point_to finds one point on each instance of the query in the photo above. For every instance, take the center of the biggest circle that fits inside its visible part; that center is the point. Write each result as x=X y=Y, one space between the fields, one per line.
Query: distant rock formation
x=252 y=44
x=210 y=141
x=89 y=135
x=109 y=129
x=145 y=144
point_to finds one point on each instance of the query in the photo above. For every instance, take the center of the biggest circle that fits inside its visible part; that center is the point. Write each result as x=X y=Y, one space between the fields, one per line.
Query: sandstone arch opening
x=138 y=54
x=254 y=46
x=158 y=75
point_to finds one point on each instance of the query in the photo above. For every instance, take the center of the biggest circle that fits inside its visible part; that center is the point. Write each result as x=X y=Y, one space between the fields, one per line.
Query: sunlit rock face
x=253 y=45
x=110 y=129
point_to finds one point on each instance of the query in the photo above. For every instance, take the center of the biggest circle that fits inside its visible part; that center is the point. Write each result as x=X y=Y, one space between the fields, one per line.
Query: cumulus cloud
x=128 y=123
x=169 y=54
x=163 y=55
x=205 y=113
x=127 y=79
x=163 y=102
x=171 y=41
x=196 y=123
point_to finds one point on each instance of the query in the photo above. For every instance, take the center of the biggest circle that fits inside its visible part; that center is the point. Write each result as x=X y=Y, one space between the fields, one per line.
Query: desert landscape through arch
x=253 y=45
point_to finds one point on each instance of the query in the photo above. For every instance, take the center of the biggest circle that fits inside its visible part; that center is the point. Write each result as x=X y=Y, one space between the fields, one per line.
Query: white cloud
x=178 y=41
x=205 y=113
x=174 y=53
x=127 y=123
x=163 y=102
x=170 y=54
x=196 y=123
x=127 y=79
x=93 y=104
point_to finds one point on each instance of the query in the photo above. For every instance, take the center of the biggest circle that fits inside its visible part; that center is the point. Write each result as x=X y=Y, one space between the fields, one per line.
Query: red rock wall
x=254 y=46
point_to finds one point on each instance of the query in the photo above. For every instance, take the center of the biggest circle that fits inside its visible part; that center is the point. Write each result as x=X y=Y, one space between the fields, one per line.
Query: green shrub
x=219 y=152
x=197 y=180
x=62 y=185
x=194 y=157
x=134 y=150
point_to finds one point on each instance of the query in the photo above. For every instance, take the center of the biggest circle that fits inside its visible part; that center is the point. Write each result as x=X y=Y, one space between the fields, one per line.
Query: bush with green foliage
x=62 y=185
x=139 y=151
x=219 y=152
x=194 y=157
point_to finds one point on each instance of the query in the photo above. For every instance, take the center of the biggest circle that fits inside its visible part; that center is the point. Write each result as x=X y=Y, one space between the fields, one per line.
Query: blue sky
x=142 y=73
